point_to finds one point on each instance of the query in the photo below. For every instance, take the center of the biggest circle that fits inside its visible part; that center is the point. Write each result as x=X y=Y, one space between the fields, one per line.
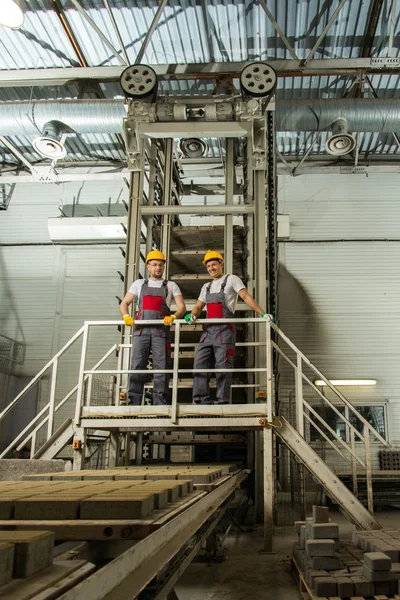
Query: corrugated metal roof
x=191 y=31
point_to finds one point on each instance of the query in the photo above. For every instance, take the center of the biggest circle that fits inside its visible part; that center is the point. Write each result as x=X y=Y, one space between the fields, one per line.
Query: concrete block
x=391 y=551
x=6 y=562
x=325 y=586
x=14 y=469
x=324 y=531
x=395 y=567
x=382 y=588
x=106 y=508
x=320 y=514
x=377 y=561
x=320 y=548
x=362 y=586
x=297 y=525
x=376 y=575
x=46 y=508
x=328 y=563
x=33 y=550
x=312 y=574
x=345 y=587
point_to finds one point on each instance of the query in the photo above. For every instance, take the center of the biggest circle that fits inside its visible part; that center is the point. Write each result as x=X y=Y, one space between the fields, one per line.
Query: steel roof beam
x=150 y=32
x=325 y=31
x=372 y=24
x=98 y=31
x=211 y=71
x=117 y=31
x=278 y=30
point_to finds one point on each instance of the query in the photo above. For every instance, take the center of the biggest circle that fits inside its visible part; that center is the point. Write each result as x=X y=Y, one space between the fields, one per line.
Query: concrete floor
x=247 y=574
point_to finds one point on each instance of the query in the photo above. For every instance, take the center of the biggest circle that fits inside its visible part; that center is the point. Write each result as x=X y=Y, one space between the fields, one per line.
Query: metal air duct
x=105 y=116
x=381 y=116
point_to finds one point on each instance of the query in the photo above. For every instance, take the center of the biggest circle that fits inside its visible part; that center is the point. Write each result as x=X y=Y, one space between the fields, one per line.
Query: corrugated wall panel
x=341 y=206
x=48 y=291
x=338 y=301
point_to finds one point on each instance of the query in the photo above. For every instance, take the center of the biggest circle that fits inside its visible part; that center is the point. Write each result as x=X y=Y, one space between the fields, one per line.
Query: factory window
x=374 y=414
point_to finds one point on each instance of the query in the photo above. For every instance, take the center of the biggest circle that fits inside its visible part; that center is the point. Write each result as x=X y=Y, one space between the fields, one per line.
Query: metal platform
x=188 y=417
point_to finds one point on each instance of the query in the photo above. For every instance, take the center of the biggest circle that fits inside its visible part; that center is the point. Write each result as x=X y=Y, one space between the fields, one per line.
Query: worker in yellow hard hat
x=216 y=349
x=155 y=296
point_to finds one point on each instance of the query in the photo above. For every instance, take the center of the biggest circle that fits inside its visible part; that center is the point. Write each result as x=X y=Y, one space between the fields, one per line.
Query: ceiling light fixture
x=10 y=14
x=339 y=382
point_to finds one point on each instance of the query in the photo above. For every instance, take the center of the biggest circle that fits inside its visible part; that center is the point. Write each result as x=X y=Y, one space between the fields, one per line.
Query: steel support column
x=229 y=180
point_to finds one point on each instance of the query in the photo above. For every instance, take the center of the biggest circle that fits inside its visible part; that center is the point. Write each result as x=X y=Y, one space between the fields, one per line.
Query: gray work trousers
x=156 y=340
x=216 y=350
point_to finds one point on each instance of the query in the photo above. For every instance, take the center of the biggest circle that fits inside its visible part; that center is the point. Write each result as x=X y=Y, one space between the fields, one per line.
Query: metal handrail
x=175 y=371
x=57 y=407
x=33 y=381
x=301 y=415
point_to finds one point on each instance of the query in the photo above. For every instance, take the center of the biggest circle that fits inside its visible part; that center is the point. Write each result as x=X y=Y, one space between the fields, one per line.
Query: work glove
x=128 y=320
x=169 y=320
x=265 y=315
x=189 y=318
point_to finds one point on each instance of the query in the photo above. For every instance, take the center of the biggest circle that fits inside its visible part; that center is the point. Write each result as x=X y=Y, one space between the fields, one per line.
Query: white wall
x=47 y=291
x=339 y=283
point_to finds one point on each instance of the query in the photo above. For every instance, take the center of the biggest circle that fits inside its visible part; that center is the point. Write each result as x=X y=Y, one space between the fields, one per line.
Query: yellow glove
x=169 y=320
x=128 y=320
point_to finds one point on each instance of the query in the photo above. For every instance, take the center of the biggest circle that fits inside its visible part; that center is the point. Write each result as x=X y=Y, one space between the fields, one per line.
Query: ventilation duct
x=318 y=115
x=105 y=116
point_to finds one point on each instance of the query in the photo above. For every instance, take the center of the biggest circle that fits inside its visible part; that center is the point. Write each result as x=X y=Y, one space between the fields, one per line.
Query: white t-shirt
x=173 y=289
x=233 y=285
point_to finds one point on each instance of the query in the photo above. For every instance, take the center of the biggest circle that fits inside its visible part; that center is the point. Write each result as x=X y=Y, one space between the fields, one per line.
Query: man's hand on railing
x=128 y=320
x=169 y=320
x=189 y=318
x=267 y=316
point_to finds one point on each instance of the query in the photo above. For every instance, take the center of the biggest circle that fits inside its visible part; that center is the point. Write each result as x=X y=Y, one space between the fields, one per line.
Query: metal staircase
x=181 y=416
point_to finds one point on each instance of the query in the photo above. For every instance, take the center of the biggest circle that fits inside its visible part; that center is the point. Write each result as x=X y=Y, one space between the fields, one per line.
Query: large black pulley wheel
x=257 y=80
x=139 y=81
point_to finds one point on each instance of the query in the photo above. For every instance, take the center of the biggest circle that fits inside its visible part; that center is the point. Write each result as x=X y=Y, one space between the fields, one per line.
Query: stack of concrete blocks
x=381 y=558
x=317 y=556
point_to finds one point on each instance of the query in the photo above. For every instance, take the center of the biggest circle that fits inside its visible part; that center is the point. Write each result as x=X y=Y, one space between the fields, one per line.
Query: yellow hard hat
x=212 y=255
x=155 y=255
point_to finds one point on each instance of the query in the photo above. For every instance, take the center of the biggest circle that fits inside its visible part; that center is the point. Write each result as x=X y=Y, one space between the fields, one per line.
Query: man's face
x=215 y=268
x=156 y=268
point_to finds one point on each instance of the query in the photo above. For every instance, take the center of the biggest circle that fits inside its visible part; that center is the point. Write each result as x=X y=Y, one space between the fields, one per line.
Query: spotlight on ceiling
x=193 y=147
x=10 y=14
x=341 y=142
x=51 y=143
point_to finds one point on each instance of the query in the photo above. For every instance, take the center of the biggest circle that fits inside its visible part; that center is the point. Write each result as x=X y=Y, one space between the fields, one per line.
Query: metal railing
x=306 y=414
x=264 y=370
x=46 y=414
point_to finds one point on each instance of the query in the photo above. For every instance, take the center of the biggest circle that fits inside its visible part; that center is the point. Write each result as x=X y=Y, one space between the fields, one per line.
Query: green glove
x=189 y=318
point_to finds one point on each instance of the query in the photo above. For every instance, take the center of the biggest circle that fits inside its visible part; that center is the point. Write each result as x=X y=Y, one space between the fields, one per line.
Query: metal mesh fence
x=12 y=353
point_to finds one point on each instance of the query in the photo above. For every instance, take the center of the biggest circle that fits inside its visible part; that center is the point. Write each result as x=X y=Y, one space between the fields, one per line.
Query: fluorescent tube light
x=339 y=382
x=89 y=229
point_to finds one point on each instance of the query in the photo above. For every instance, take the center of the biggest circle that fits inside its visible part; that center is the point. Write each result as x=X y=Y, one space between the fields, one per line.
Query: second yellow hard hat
x=212 y=255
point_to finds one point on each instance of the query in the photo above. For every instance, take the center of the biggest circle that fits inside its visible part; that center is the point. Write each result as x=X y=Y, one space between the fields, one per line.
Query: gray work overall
x=216 y=350
x=152 y=305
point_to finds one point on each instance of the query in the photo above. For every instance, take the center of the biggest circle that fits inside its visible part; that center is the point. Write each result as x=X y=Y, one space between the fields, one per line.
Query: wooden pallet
x=137 y=529
x=308 y=594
